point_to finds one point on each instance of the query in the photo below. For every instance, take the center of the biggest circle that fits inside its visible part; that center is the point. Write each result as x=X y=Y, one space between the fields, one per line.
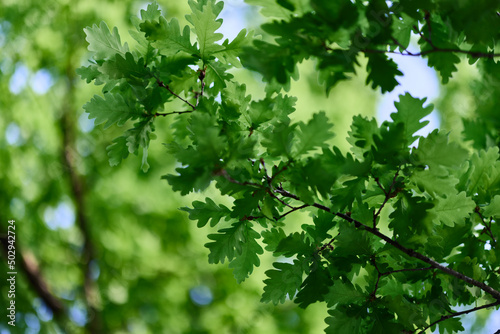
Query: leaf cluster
x=441 y=200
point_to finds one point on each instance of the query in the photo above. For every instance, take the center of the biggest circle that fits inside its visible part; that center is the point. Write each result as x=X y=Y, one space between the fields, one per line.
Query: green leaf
x=118 y=150
x=110 y=109
x=315 y=286
x=435 y=150
x=271 y=8
x=407 y=312
x=103 y=43
x=340 y=323
x=451 y=210
x=278 y=140
x=483 y=173
x=435 y=181
x=382 y=72
x=493 y=208
x=226 y=243
x=238 y=245
x=272 y=238
x=231 y=52
x=361 y=135
x=295 y=244
x=119 y=67
x=217 y=74
x=313 y=135
x=283 y=282
x=453 y=325
x=90 y=73
x=167 y=37
x=203 y=212
x=444 y=62
x=190 y=178
x=151 y=13
x=410 y=113
x=205 y=23
x=344 y=293
x=245 y=261
x=140 y=136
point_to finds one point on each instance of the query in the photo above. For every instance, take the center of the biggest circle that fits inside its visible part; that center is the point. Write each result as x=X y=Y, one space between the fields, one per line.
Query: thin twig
x=293 y=210
x=268 y=179
x=381 y=274
x=163 y=85
x=387 y=193
x=172 y=113
x=225 y=174
x=460 y=313
x=202 y=75
x=488 y=226
x=435 y=50
x=285 y=167
x=328 y=245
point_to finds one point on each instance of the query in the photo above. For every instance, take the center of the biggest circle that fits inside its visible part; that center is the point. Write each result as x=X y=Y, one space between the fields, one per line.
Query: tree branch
x=67 y=126
x=410 y=252
x=443 y=318
x=381 y=274
x=31 y=270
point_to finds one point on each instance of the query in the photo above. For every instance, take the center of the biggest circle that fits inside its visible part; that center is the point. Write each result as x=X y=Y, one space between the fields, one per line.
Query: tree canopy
x=389 y=230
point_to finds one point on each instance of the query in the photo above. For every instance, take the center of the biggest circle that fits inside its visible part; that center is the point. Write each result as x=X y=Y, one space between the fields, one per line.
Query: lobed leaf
x=103 y=43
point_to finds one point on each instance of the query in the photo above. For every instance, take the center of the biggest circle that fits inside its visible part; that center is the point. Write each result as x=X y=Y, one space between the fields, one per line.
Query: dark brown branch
x=410 y=252
x=456 y=314
x=30 y=269
x=76 y=183
x=293 y=210
x=435 y=50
